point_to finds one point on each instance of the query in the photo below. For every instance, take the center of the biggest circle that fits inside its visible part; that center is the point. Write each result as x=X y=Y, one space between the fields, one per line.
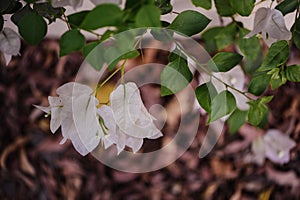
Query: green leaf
x=287 y=6
x=4 y=5
x=164 y=6
x=243 y=7
x=296 y=32
x=292 y=73
x=94 y=54
x=76 y=19
x=236 y=120
x=9 y=6
x=224 y=61
x=250 y=66
x=89 y=47
x=189 y=22
x=148 y=16
x=175 y=76
x=71 y=41
x=206 y=4
x=15 y=18
x=250 y=47
x=101 y=16
x=226 y=36
x=222 y=105
x=209 y=39
x=224 y=8
x=276 y=83
x=204 y=94
x=259 y=84
x=32 y=27
x=277 y=55
x=47 y=11
x=258 y=111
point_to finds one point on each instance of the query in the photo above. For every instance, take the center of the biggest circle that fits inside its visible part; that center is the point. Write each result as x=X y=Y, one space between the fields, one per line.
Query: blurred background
x=34 y=166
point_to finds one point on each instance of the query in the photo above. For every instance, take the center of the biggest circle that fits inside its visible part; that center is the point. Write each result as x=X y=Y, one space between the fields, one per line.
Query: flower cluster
x=10 y=44
x=274 y=145
x=126 y=122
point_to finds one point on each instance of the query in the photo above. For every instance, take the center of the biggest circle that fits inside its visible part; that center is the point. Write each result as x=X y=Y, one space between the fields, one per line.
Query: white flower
x=271 y=22
x=235 y=78
x=76 y=112
x=61 y=3
x=98 y=2
x=127 y=120
x=10 y=43
x=274 y=145
x=278 y=146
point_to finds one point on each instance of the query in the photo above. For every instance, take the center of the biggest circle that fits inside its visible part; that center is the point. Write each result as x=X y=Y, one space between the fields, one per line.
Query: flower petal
x=260 y=21
x=86 y=121
x=129 y=112
x=277 y=146
x=73 y=89
x=43 y=108
x=276 y=27
x=10 y=42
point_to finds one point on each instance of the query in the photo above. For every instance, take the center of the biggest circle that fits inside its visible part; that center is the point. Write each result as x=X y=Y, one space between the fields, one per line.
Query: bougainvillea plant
x=219 y=97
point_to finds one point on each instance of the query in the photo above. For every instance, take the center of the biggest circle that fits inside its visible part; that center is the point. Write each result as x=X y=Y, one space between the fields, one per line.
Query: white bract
x=274 y=145
x=127 y=119
x=98 y=2
x=126 y=123
x=270 y=22
x=61 y=3
x=10 y=44
x=235 y=78
x=76 y=112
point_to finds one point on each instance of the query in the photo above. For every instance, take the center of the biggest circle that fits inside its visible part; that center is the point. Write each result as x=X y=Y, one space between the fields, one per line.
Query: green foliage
x=209 y=38
x=148 y=16
x=224 y=8
x=77 y=18
x=17 y=16
x=296 y=33
x=287 y=6
x=292 y=73
x=204 y=94
x=226 y=36
x=259 y=83
x=71 y=41
x=189 y=22
x=101 y=16
x=277 y=55
x=206 y=4
x=164 y=6
x=270 y=69
x=258 y=110
x=9 y=6
x=176 y=75
x=236 y=120
x=224 y=61
x=222 y=104
x=38 y=28
x=47 y=11
x=250 y=47
x=243 y=7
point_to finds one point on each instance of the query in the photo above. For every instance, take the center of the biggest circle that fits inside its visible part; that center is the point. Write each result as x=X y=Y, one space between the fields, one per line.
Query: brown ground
x=35 y=166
